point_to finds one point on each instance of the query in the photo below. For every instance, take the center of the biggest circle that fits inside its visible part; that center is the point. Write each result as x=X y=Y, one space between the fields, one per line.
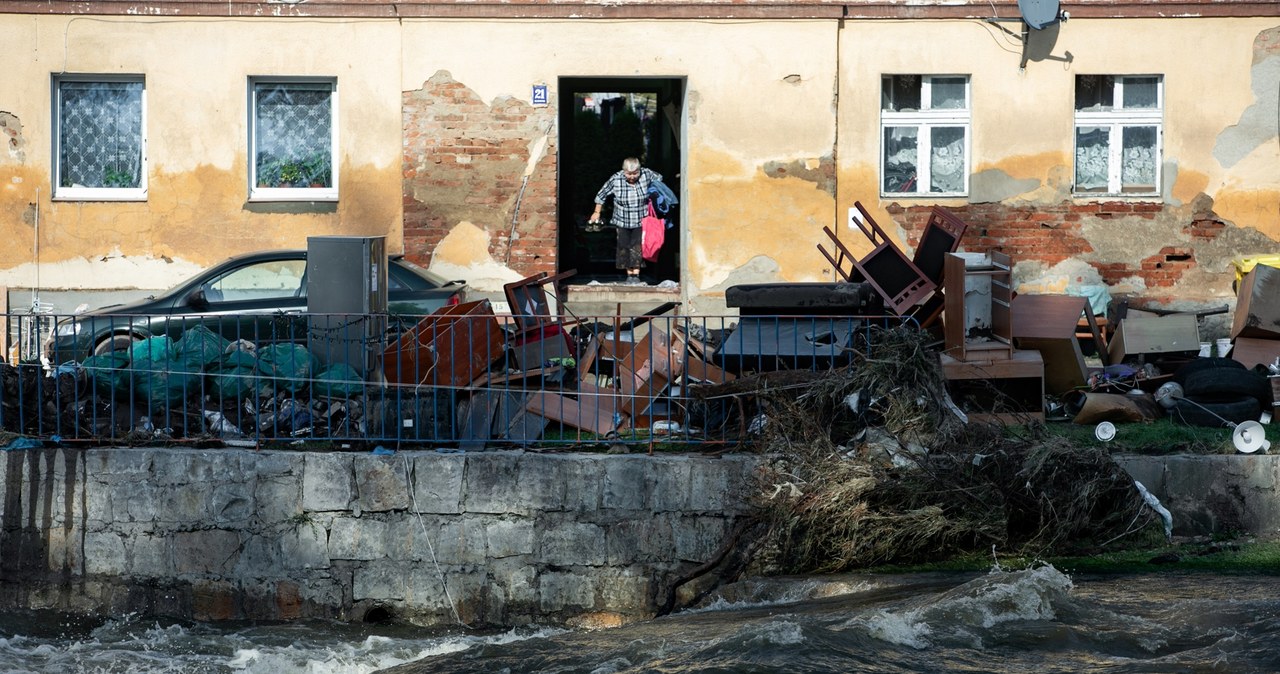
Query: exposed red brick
x=465 y=160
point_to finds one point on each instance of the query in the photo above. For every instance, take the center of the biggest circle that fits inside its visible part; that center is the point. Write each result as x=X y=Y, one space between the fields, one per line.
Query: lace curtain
x=294 y=135
x=100 y=131
x=1137 y=158
x=946 y=160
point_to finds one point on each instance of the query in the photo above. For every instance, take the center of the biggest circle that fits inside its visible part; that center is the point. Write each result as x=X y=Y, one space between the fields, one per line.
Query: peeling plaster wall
x=759 y=134
x=1221 y=182
x=196 y=212
x=780 y=135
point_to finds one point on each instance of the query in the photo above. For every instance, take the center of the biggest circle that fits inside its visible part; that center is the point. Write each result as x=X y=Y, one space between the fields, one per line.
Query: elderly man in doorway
x=630 y=190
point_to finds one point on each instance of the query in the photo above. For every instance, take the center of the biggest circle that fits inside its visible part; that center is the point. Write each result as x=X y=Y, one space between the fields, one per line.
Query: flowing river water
x=1037 y=620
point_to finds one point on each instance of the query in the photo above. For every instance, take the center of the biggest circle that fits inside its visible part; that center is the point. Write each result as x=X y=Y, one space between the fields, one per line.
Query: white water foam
x=777 y=633
x=903 y=628
x=969 y=610
x=130 y=646
x=374 y=653
x=755 y=594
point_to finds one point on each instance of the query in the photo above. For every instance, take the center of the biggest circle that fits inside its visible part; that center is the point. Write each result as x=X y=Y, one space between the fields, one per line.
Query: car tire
x=1198 y=413
x=114 y=343
x=1223 y=383
x=1204 y=364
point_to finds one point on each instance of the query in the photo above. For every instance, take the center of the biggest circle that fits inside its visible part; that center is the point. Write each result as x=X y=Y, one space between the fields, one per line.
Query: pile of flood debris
x=538 y=376
x=875 y=465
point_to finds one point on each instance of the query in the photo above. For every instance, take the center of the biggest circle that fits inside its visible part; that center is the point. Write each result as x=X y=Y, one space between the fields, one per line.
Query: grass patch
x=1219 y=557
x=1158 y=437
x=1244 y=556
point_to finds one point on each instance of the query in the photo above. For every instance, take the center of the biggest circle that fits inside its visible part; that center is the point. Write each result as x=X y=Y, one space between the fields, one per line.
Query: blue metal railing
x=463 y=377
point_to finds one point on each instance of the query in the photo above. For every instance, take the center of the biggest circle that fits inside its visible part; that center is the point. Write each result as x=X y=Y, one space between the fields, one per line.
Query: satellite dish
x=1038 y=13
x=1040 y=21
x=1249 y=437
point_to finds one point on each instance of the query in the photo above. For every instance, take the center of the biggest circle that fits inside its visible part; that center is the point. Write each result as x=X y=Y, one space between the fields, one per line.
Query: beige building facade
x=1132 y=147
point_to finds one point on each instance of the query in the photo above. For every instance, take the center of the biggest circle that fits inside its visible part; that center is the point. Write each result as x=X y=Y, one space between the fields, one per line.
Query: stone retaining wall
x=515 y=537
x=228 y=534
x=1223 y=494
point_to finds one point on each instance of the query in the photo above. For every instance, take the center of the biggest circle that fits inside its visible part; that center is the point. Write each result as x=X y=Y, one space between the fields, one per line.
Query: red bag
x=653 y=231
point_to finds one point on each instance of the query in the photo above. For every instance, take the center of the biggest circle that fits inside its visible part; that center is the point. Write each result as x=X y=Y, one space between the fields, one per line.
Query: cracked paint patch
x=11 y=136
x=464 y=254
x=1257 y=123
x=996 y=185
x=820 y=171
x=759 y=269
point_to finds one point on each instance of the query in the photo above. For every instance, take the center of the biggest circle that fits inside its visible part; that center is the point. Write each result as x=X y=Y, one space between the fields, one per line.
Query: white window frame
x=925 y=120
x=257 y=193
x=73 y=193
x=1115 y=121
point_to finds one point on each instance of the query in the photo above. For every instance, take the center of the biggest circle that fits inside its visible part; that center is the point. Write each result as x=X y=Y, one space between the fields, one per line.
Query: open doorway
x=604 y=120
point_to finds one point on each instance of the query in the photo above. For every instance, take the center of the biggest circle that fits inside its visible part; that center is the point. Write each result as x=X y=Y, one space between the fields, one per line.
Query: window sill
x=293 y=198
x=1112 y=197
x=923 y=195
x=132 y=196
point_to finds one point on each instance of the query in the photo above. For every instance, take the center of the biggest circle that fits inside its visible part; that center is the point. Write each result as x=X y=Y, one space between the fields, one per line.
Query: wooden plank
x=1048 y=324
x=599 y=400
x=1024 y=363
x=1048 y=316
x=451 y=347
x=953 y=314
x=588 y=414
x=657 y=353
x=1253 y=351
x=494 y=378
x=699 y=370
x=1064 y=366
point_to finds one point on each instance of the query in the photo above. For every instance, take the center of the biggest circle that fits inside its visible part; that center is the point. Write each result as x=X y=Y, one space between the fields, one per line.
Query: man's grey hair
x=630 y=164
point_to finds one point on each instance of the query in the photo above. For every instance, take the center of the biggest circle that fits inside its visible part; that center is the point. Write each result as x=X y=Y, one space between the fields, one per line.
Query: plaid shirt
x=628 y=199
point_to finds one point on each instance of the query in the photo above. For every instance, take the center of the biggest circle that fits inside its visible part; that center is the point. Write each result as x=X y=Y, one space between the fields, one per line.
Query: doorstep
x=602 y=299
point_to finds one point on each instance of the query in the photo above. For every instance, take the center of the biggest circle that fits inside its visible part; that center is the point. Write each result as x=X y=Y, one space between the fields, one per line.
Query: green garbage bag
x=287 y=367
x=158 y=376
x=233 y=375
x=109 y=373
x=200 y=346
x=152 y=348
x=166 y=382
x=338 y=381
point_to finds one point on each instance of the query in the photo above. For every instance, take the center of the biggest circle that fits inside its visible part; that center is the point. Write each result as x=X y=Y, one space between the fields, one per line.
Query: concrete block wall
x=499 y=537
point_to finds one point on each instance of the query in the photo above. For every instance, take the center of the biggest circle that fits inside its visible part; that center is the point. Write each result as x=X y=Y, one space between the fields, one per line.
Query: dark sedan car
x=259 y=297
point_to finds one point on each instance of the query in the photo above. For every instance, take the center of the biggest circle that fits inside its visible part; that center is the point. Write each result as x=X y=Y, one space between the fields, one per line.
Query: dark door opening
x=604 y=120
